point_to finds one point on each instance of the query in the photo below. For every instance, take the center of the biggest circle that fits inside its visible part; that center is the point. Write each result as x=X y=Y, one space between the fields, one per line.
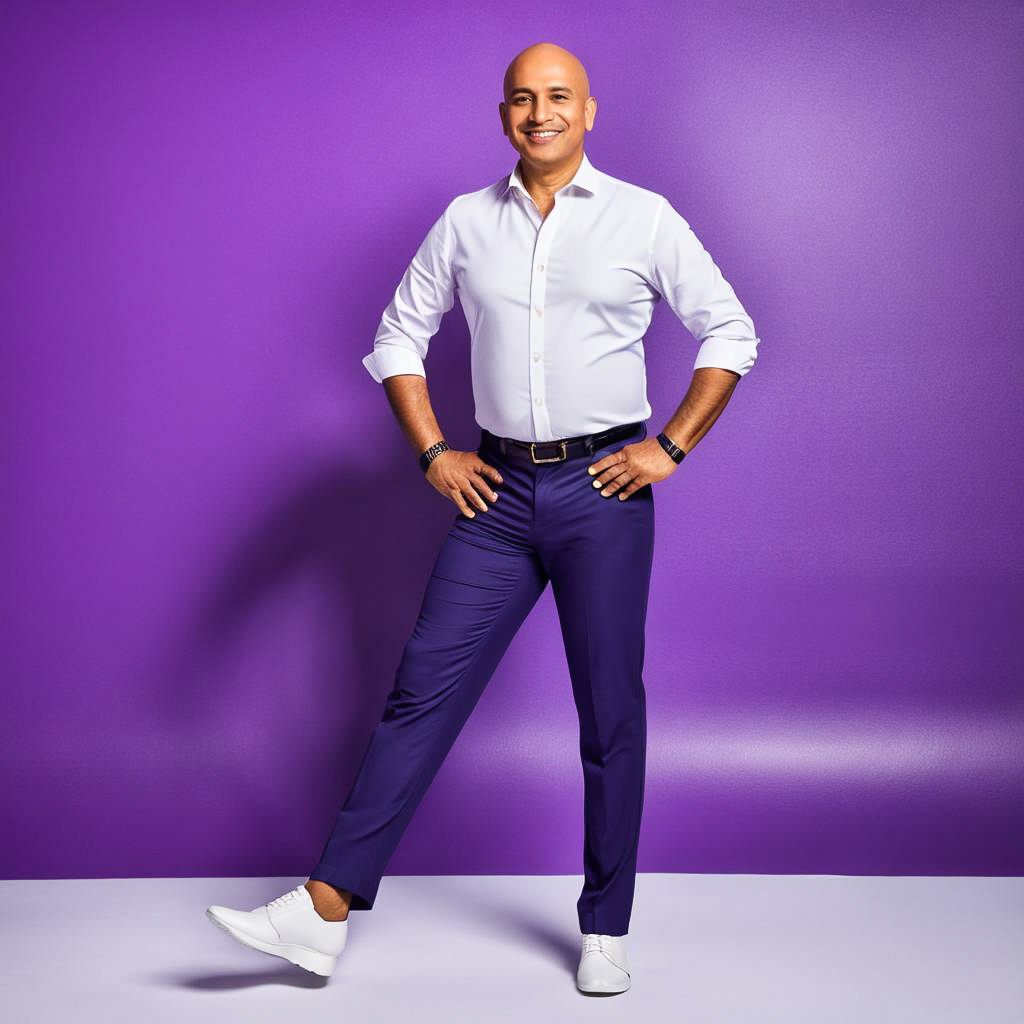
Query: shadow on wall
x=367 y=531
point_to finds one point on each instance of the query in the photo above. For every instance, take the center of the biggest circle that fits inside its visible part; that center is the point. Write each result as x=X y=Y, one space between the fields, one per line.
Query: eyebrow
x=553 y=88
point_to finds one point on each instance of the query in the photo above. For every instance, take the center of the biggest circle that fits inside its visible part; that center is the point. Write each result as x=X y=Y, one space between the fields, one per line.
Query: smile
x=542 y=136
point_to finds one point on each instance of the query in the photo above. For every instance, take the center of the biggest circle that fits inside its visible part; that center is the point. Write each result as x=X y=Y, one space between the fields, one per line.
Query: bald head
x=546 y=111
x=547 y=60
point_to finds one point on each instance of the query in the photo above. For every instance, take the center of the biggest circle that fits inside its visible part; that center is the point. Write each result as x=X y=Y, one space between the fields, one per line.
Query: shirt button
x=540 y=266
x=538 y=310
x=539 y=401
x=536 y=356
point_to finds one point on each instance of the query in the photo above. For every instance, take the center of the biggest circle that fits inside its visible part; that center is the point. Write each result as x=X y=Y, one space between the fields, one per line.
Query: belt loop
x=504 y=448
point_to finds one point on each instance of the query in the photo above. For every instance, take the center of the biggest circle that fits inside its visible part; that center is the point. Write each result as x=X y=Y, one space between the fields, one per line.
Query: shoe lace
x=287 y=898
x=596 y=944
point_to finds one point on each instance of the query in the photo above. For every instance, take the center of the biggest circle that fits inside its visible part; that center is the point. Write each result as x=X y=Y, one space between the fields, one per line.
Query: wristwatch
x=432 y=453
x=675 y=452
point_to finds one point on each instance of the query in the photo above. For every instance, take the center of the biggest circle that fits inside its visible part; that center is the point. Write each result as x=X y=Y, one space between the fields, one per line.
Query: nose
x=541 y=113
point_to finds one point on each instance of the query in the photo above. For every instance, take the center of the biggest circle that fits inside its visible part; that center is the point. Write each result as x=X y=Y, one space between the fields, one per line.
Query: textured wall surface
x=215 y=538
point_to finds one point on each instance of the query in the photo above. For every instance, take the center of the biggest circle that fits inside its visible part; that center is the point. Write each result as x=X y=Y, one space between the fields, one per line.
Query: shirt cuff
x=726 y=354
x=387 y=360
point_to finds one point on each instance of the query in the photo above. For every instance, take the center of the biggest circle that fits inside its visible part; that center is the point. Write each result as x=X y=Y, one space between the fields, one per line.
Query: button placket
x=538 y=293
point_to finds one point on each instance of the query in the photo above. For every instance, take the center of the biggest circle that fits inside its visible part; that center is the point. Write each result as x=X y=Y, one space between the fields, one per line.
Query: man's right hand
x=462 y=477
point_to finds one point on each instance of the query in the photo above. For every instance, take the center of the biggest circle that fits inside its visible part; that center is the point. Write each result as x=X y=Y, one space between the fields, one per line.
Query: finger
x=617 y=484
x=491 y=472
x=483 y=487
x=471 y=494
x=637 y=483
x=596 y=468
x=610 y=474
x=456 y=496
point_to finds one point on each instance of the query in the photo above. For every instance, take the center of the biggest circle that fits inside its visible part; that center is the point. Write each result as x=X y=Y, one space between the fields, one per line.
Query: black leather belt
x=556 y=451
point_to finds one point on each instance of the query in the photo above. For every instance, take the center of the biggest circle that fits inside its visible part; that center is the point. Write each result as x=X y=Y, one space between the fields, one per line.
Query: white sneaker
x=289 y=927
x=603 y=964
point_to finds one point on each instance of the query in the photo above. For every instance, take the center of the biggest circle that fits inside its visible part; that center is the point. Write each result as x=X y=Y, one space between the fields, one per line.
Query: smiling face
x=547 y=108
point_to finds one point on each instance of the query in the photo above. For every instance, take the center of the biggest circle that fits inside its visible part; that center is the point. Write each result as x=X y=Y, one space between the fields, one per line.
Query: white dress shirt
x=557 y=306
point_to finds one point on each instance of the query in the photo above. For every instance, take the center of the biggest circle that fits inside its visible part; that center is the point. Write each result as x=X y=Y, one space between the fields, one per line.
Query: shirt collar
x=585 y=178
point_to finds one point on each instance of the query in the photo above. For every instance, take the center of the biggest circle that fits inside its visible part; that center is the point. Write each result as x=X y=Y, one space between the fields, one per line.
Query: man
x=558 y=267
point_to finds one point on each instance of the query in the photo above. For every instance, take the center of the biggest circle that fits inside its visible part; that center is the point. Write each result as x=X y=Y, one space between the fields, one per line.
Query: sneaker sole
x=309 y=959
x=603 y=989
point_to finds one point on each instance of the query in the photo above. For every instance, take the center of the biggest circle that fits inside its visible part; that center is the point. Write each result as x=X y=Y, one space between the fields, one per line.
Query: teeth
x=542 y=135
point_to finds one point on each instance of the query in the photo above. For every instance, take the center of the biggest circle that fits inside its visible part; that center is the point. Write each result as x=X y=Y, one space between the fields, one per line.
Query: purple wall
x=216 y=538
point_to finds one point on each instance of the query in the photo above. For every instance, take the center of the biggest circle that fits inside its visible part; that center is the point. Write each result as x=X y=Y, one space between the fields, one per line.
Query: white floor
x=744 y=949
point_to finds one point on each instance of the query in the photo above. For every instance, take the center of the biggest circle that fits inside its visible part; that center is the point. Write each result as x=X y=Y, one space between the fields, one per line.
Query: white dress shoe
x=603 y=964
x=289 y=927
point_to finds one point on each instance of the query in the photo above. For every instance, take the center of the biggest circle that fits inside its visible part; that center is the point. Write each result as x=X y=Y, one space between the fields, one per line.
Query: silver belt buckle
x=557 y=458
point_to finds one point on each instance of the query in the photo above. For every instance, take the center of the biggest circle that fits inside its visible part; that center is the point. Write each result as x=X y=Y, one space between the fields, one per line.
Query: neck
x=546 y=181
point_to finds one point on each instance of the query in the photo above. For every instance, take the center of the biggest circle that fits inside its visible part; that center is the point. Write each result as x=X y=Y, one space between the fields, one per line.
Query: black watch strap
x=675 y=452
x=432 y=453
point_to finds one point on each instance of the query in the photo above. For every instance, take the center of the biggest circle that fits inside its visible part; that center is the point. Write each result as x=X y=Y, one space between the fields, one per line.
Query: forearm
x=708 y=394
x=410 y=402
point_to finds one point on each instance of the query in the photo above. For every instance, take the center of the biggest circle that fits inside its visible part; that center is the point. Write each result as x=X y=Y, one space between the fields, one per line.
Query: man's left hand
x=631 y=468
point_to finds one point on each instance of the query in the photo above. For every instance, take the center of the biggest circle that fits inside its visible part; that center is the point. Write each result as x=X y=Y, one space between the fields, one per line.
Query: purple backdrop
x=216 y=537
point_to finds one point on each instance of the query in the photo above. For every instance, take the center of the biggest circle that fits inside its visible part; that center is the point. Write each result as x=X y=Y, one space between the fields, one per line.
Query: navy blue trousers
x=549 y=523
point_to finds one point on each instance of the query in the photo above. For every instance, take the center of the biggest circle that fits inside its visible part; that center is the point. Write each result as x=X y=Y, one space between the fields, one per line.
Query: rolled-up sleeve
x=687 y=277
x=425 y=293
